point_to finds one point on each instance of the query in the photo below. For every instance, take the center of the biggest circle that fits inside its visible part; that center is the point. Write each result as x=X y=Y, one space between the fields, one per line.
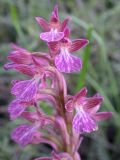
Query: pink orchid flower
x=53 y=29
x=86 y=117
x=64 y=61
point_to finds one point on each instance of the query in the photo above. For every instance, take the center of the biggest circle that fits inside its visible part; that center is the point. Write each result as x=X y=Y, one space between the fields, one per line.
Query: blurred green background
x=99 y=21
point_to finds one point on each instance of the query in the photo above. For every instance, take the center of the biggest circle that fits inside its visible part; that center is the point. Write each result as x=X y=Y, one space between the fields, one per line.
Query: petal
x=67 y=63
x=55 y=11
x=103 y=115
x=54 y=16
x=19 y=87
x=78 y=44
x=81 y=93
x=15 y=109
x=64 y=23
x=92 y=103
x=29 y=70
x=43 y=23
x=41 y=60
x=10 y=65
x=23 y=134
x=30 y=91
x=20 y=55
x=67 y=33
x=83 y=122
x=54 y=47
x=70 y=105
x=30 y=116
x=52 y=36
x=25 y=90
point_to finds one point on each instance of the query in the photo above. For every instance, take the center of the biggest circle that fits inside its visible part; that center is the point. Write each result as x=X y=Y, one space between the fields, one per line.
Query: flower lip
x=24 y=134
x=83 y=122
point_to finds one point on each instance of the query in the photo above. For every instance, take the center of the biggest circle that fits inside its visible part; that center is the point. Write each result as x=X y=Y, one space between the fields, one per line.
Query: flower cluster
x=73 y=115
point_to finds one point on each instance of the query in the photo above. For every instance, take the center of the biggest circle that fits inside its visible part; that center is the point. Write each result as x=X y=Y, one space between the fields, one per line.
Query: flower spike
x=69 y=116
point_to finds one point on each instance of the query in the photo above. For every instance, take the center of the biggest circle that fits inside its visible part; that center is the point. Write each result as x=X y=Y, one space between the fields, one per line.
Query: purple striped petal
x=20 y=55
x=43 y=23
x=78 y=44
x=67 y=63
x=29 y=70
x=102 y=115
x=81 y=93
x=83 y=122
x=25 y=90
x=52 y=36
x=23 y=134
x=19 y=87
x=15 y=109
x=91 y=103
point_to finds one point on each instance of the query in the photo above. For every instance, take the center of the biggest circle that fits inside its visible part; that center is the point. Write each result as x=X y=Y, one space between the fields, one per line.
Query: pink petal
x=30 y=116
x=83 y=122
x=67 y=33
x=15 y=109
x=52 y=36
x=64 y=23
x=54 y=47
x=19 y=87
x=67 y=63
x=41 y=60
x=29 y=70
x=23 y=134
x=70 y=105
x=43 y=23
x=25 y=90
x=91 y=103
x=30 y=91
x=55 y=10
x=10 y=65
x=102 y=115
x=17 y=48
x=20 y=55
x=78 y=44
x=81 y=93
x=54 y=17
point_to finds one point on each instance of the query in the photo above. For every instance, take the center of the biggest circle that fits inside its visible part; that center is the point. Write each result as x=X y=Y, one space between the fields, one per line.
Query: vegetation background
x=99 y=21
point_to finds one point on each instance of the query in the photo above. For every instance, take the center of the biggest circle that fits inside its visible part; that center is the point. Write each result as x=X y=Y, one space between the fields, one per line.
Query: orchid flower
x=53 y=29
x=86 y=117
x=64 y=61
